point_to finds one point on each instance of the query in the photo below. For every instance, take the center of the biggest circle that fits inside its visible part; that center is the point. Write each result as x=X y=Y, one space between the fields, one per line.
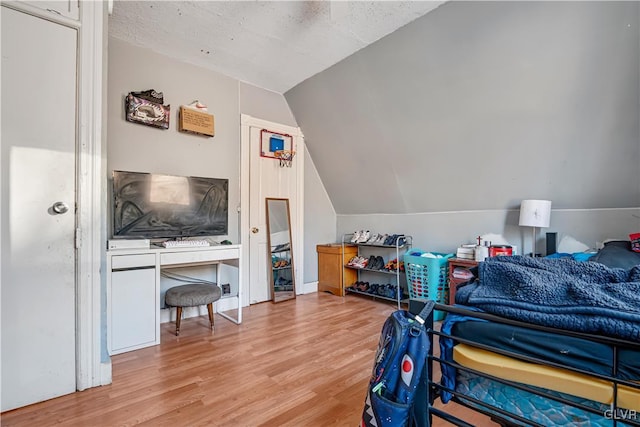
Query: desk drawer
x=170 y=258
x=133 y=261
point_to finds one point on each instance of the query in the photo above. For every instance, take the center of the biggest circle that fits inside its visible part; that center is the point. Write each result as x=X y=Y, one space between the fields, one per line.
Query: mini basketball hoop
x=285 y=157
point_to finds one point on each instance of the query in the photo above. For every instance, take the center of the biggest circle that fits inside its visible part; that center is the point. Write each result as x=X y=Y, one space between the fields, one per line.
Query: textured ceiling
x=271 y=44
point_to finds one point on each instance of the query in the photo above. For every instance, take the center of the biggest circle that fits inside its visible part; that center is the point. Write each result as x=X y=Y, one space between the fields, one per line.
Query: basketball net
x=285 y=157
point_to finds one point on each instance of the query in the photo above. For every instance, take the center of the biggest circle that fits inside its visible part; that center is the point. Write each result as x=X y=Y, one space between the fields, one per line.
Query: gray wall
x=319 y=219
x=445 y=231
x=141 y=148
x=135 y=147
x=266 y=105
x=448 y=123
x=478 y=105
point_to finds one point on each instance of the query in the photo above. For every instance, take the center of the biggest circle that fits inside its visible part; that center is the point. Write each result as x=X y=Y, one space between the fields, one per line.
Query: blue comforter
x=562 y=293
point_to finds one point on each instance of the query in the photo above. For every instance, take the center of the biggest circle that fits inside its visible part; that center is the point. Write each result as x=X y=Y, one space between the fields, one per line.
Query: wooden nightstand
x=454 y=281
x=332 y=275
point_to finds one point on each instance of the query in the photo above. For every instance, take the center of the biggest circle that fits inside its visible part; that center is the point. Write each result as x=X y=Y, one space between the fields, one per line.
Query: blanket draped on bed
x=563 y=293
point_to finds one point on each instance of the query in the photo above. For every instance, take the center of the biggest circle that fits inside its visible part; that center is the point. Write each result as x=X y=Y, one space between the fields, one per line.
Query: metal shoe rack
x=369 y=249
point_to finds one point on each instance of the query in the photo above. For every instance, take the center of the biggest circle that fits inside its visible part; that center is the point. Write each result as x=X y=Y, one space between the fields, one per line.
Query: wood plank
x=304 y=362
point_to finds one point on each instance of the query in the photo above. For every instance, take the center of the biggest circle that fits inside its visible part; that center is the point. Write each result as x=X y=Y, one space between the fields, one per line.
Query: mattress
x=578 y=353
x=547 y=377
x=528 y=405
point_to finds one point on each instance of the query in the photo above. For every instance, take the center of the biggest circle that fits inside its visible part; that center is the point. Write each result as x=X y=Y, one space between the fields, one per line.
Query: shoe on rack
x=373 y=238
x=371 y=262
x=356 y=235
x=388 y=241
x=363 y=286
x=381 y=238
x=363 y=262
x=392 y=265
x=390 y=291
x=399 y=240
x=364 y=237
x=375 y=265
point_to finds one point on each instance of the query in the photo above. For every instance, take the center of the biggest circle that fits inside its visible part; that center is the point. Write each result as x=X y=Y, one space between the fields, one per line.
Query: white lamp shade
x=535 y=213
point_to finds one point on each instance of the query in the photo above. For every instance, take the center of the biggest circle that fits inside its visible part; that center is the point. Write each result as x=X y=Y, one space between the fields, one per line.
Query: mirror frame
x=270 y=253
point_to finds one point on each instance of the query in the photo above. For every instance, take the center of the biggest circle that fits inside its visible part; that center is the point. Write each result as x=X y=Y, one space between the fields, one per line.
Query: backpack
x=397 y=395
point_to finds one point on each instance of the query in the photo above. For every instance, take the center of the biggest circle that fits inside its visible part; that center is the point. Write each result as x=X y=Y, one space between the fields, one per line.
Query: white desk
x=133 y=290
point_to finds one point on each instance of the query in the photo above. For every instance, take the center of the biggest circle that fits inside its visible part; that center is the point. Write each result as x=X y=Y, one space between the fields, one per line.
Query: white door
x=268 y=179
x=38 y=183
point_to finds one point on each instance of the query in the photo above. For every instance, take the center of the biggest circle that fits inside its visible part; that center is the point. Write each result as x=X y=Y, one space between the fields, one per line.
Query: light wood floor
x=304 y=362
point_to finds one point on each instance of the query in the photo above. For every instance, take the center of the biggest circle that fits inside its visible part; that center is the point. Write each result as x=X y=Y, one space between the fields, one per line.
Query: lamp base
x=533 y=242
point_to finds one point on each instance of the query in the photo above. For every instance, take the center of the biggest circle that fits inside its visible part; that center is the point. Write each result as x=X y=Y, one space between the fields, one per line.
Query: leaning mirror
x=283 y=286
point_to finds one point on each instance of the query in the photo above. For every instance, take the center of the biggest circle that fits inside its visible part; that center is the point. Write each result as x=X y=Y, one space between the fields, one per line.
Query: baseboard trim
x=105 y=373
x=309 y=288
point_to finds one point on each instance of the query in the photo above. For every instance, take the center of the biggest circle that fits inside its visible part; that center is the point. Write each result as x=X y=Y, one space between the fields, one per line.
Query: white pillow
x=569 y=245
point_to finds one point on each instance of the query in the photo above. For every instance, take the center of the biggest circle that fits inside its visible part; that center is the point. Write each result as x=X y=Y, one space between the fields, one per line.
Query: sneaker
x=381 y=239
x=361 y=262
x=391 y=291
x=373 y=238
x=150 y=95
x=363 y=237
x=373 y=262
x=363 y=286
x=355 y=236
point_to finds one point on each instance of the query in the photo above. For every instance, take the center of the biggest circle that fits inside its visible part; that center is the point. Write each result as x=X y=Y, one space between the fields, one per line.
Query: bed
x=543 y=342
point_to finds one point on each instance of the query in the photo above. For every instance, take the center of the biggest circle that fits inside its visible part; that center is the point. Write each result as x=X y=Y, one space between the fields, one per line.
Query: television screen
x=164 y=206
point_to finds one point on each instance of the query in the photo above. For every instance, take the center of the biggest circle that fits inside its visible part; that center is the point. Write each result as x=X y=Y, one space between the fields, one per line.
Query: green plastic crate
x=427 y=278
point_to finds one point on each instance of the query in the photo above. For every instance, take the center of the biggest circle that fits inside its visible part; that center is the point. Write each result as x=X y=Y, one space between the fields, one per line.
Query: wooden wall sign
x=194 y=121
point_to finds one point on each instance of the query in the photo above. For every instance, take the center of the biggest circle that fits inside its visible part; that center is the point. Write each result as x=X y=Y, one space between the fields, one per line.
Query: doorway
x=262 y=177
x=51 y=199
x=38 y=214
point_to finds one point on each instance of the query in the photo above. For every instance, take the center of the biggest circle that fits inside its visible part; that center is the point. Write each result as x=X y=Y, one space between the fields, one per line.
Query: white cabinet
x=133 y=303
x=133 y=290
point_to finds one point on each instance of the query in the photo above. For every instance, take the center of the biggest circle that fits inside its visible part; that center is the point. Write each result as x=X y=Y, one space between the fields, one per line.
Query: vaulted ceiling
x=270 y=44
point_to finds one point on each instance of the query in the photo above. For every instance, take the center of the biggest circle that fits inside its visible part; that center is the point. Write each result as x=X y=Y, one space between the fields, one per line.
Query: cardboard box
x=194 y=121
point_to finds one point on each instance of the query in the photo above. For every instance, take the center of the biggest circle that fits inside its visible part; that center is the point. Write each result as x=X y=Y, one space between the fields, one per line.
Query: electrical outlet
x=226 y=289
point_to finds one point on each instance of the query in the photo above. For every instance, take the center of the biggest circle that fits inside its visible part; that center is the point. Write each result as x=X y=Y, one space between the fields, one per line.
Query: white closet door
x=38 y=171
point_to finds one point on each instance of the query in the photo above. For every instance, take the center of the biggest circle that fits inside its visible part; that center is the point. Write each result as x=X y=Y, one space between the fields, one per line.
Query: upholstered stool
x=192 y=295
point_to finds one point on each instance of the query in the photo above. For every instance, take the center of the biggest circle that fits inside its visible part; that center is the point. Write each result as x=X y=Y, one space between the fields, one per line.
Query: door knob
x=254 y=230
x=60 y=207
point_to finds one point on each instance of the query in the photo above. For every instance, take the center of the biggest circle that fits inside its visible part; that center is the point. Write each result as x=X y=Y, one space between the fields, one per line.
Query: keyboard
x=185 y=243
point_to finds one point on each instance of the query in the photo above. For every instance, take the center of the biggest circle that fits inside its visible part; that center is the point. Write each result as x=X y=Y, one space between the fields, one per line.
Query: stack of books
x=466 y=252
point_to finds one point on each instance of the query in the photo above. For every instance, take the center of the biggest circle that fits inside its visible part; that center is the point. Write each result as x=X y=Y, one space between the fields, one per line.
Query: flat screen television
x=156 y=206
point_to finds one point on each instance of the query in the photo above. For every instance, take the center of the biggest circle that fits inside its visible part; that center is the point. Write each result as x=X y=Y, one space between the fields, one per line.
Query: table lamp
x=535 y=213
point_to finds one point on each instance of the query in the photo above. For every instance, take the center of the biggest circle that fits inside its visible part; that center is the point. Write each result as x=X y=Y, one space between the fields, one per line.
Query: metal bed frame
x=617 y=415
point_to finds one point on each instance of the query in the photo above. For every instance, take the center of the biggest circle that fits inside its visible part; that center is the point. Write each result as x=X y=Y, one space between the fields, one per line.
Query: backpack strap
x=424 y=313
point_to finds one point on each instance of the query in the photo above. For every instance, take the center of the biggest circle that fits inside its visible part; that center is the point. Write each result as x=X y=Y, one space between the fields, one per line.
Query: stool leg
x=210 y=308
x=178 y=317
